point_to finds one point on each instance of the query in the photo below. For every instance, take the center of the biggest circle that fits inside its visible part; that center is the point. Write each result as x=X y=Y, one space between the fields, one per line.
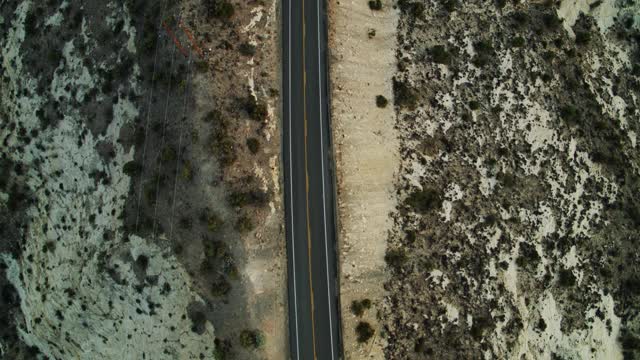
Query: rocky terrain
x=139 y=196
x=516 y=230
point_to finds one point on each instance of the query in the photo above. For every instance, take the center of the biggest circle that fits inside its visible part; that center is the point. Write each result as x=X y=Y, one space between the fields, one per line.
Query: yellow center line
x=306 y=175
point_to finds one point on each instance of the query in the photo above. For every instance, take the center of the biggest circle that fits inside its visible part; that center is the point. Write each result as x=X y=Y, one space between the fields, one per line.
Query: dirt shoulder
x=362 y=44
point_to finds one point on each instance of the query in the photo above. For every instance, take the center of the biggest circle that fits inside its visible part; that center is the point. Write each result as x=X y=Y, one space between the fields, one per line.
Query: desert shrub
x=375 y=5
x=248 y=198
x=474 y=105
x=187 y=171
x=507 y=179
x=202 y=66
x=551 y=20
x=520 y=18
x=371 y=33
x=583 y=37
x=450 y=5
x=425 y=200
x=247 y=49
x=185 y=222
x=440 y=55
x=220 y=287
x=566 y=278
x=570 y=114
x=381 y=101
x=168 y=154
x=518 y=42
x=198 y=321
x=244 y=224
x=132 y=168
x=413 y=8
x=214 y=222
x=252 y=339
x=358 y=307
x=364 y=331
x=395 y=258
x=257 y=110
x=219 y=9
x=212 y=116
x=528 y=256
x=253 y=144
x=404 y=95
x=500 y=3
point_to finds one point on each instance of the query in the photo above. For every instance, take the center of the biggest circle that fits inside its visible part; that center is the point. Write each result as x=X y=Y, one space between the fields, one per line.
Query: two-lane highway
x=314 y=329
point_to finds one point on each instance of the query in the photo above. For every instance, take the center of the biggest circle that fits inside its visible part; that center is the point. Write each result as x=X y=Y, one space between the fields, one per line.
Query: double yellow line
x=306 y=175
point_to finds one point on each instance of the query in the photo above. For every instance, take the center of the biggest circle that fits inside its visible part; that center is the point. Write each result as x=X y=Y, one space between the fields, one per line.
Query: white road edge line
x=324 y=201
x=293 y=236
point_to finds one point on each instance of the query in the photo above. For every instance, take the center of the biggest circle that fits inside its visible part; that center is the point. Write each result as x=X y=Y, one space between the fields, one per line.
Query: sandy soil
x=366 y=157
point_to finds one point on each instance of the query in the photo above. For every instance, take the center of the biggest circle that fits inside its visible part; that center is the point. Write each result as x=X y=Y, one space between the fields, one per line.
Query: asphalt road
x=314 y=328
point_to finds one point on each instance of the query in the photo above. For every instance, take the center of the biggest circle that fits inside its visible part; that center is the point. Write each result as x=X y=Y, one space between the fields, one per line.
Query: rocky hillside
x=126 y=231
x=517 y=230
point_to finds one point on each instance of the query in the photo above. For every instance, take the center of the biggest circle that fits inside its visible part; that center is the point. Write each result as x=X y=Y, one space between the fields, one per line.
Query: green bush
x=252 y=339
x=202 y=66
x=425 y=200
x=253 y=144
x=566 y=278
x=518 y=42
x=450 y=5
x=214 y=223
x=244 y=224
x=570 y=114
x=396 y=258
x=358 y=307
x=404 y=95
x=583 y=37
x=247 y=49
x=474 y=105
x=375 y=5
x=220 y=287
x=132 y=168
x=364 y=331
x=257 y=110
x=440 y=55
x=381 y=101
x=219 y=9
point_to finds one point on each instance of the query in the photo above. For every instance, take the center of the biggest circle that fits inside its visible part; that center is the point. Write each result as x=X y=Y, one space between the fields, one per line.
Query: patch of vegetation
x=570 y=114
x=214 y=222
x=517 y=42
x=381 y=101
x=375 y=5
x=252 y=339
x=132 y=168
x=528 y=257
x=396 y=258
x=404 y=94
x=364 y=331
x=219 y=9
x=583 y=37
x=414 y=8
x=425 y=200
x=359 y=307
x=248 y=198
x=220 y=287
x=566 y=278
x=257 y=110
x=247 y=49
x=244 y=224
x=440 y=55
x=450 y=5
x=253 y=144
